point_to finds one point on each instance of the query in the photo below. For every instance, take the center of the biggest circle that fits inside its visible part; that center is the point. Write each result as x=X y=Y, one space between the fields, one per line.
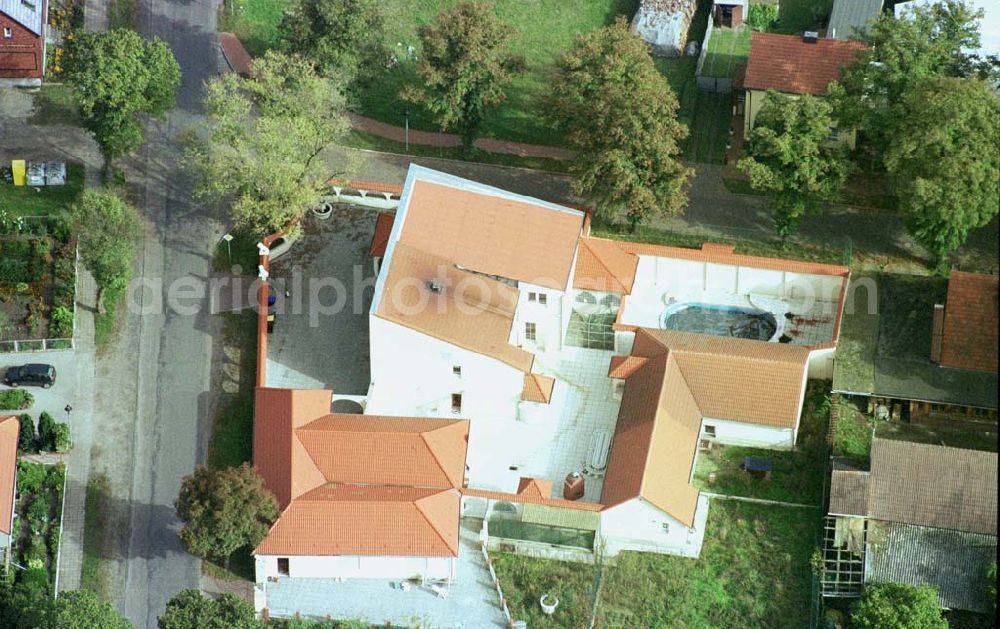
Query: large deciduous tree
x=189 y=609
x=926 y=41
x=790 y=158
x=897 y=606
x=265 y=134
x=108 y=229
x=224 y=510
x=466 y=62
x=115 y=76
x=344 y=38
x=620 y=114
x=943 y=159
x=82 y=609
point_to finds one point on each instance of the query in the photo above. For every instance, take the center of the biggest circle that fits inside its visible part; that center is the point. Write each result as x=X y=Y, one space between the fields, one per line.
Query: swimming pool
x=747 y=323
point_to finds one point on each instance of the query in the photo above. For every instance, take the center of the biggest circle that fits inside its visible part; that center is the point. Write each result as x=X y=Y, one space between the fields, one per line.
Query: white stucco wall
x=356 y=567
x=743 y=434
x=638 y=525
x=413 y=375
x=547 y=318
x=821 y=363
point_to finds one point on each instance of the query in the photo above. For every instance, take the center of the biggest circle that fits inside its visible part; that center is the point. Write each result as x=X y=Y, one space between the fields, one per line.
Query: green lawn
x=795 y=16
x=852 y=432
x=797 y=475
x=106 y=324
x=232 y=433
x=726 y=48
x=95 y=571
x=546 y=29
x=54 y=105
x=753 y=572
x=525 y=580
x=45 y=201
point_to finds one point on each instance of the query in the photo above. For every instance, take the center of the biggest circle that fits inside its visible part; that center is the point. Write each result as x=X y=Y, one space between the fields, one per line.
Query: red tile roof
x=530 y=496
x=787 y=64
x=602 y=265
x=235 y=54
x=970 y=322
x=340 y=471
x=9 y=428
x=537 y=388
x=380 y=239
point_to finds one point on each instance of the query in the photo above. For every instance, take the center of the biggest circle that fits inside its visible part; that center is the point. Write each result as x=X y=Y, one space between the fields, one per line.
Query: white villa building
x=584 y=372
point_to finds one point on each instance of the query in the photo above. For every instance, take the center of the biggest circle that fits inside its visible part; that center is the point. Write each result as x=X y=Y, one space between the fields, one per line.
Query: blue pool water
x=747 y=323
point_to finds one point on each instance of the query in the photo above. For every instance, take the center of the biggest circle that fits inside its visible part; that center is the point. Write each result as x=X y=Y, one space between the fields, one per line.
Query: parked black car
x=35 y=374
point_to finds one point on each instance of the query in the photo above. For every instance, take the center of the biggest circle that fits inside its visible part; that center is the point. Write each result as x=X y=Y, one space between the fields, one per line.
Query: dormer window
x=434 y=286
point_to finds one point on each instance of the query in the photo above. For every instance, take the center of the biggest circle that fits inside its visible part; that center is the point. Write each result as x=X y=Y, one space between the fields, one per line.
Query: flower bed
x=15 y=400
x=37 y=522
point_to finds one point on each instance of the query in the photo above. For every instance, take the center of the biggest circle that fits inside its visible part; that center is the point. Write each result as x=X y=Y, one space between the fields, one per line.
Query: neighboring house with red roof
x=562 y=382
x=22 y=41
x=795 y=65
x=9 y=428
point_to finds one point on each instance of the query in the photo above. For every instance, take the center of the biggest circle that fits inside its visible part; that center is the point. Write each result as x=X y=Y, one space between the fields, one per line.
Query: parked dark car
x=35 y=374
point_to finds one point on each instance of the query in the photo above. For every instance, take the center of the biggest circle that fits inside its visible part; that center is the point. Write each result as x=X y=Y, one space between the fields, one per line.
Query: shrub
x=53 y=541
x=30 y=477
x=26 y=437
x=761 y=16
x=34 y=580
x=61 y=322
x=15 y=399
x=38 y=512
x=46 y=432
x=55 y=477
x=61 y=440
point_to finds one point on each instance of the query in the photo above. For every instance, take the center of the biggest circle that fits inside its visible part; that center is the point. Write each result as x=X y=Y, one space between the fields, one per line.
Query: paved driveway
x=54 y=399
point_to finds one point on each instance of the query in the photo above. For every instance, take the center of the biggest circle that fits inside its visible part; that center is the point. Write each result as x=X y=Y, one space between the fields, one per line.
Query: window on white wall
x=456 y=370
x=709 y=431
x=532 y=296
x=456 y=402
x=283 y=565
x=665 y=526
x=543 y=299
x=530 y=332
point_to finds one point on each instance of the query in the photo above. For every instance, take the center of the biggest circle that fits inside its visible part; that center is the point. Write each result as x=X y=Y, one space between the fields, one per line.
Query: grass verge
x=106 y=324
x=54 y=104
x=122 y=14
x=525 y=580
x=94 y=574
x=797 y=474
x=753 y=572
x=47 y=201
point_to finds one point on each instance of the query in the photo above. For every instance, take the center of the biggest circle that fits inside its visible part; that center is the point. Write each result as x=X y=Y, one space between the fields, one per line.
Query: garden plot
x=37 y=525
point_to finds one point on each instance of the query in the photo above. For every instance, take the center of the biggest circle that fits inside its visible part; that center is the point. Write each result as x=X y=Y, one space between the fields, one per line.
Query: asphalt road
x=169 y=354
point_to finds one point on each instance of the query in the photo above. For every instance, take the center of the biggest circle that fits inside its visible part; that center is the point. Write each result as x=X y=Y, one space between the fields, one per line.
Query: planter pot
x=548 y=603
x=323 y=211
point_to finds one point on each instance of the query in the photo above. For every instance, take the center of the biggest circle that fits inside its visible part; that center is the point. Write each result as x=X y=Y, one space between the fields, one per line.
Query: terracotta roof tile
x=493 y=234
x=368 y=520
x=970 y=322
x=529 y=497
x=536 y=487
x=787 y=64
x=9 y=428
x=380 y=239
x=603 y=265
x=375 y=450
x=936 y=486
x=537 y=388
x=469 y=310
x=624 y=366
x=235 y=54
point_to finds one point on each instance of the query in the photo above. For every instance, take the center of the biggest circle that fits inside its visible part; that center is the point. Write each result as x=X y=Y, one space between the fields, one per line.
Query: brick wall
x=21 y=54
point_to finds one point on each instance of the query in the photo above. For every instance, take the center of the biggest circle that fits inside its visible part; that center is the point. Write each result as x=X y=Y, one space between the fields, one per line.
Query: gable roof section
x=656 y=438
x=375 y=450
x=538 y=388
x=30 y=15
x=602 y=265
x=848 y=16
x=380 y=239
x=362 y=520
x=492 y=231
x=739 y=379
x=9 y=428
x=471 y=311
x=787 y=64
x=970 y=322
x=935 y=486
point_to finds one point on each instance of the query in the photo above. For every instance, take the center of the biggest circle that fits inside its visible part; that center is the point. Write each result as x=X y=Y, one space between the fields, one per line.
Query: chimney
x=937 y=333
x=810 y=37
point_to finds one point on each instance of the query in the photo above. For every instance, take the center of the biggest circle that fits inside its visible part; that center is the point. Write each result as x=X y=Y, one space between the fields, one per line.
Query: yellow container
x=18 y=168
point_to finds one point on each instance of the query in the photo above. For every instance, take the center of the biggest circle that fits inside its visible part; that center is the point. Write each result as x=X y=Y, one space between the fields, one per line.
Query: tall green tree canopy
x=108 y=230
x=466 y=62
x=620 y=114
x=926 y=41
x=789 y=157
x=943 y=159
x=82 y=609
x=115 y=76
x=224 y=510
x=265 y=134
x=897 y=606
x=189 y=609
x=344 y=38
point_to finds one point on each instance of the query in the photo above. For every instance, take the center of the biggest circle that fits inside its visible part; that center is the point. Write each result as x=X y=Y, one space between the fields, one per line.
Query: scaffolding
x=844 y=540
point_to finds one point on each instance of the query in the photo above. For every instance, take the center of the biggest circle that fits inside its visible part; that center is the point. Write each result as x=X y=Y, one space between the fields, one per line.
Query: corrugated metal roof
x=849 y=493
x=849 y=15
x=28 y=13
x=953 y=562
x=928 y=485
